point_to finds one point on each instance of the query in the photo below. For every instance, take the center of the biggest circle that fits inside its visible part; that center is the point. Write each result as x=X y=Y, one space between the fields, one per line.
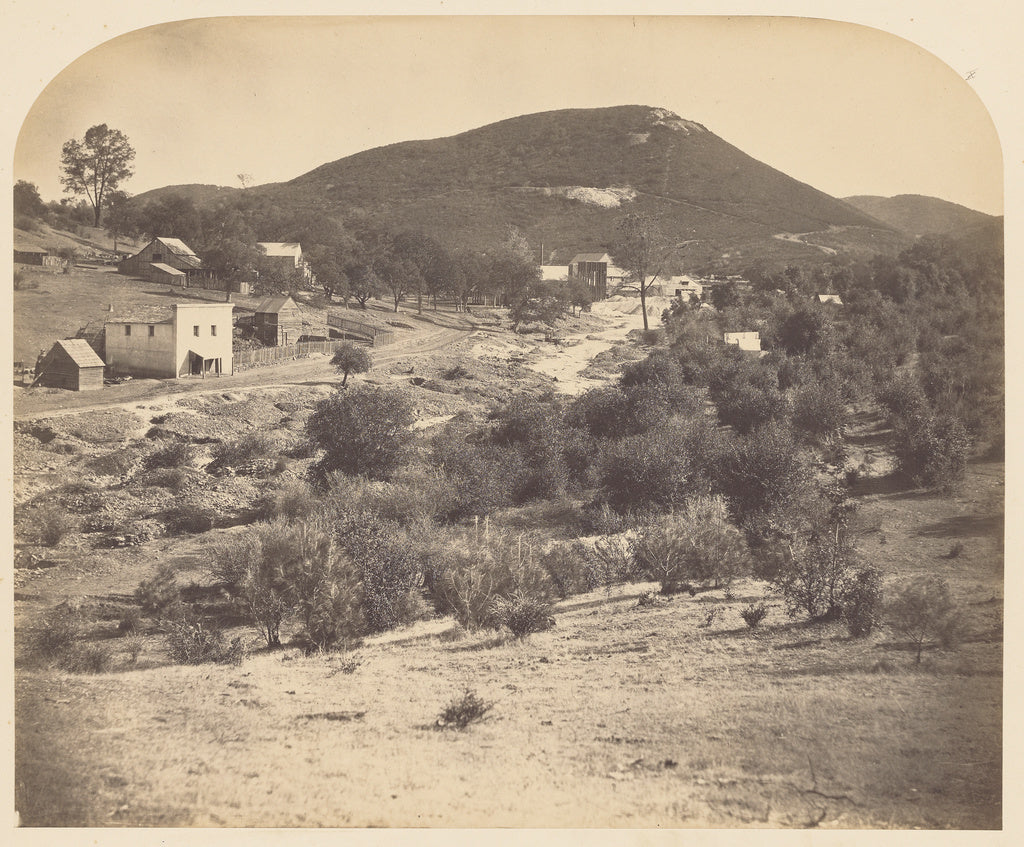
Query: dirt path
x=164 y=394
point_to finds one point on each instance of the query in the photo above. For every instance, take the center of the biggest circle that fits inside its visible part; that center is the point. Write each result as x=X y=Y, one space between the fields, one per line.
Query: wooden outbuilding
x=593 y=268
x=71 y=364
x=278 y=321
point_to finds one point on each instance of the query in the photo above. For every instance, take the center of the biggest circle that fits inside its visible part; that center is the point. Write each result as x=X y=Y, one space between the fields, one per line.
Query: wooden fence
x=266 y=355
x=346 y=326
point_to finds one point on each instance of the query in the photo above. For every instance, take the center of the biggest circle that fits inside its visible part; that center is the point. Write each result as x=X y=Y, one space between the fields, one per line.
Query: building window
x=213 y=329
x=195 y=331
x=152 y=331
x=158 y=257
x=127 y=329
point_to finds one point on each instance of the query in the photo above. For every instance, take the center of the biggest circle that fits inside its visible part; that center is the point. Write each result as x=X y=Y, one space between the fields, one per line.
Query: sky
x=846 y=108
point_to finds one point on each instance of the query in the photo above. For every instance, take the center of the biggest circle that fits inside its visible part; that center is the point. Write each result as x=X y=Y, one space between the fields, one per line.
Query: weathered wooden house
x=278 y=321
x=167 y=342
x=71 y=364
x=152 y=261
x=592 y=267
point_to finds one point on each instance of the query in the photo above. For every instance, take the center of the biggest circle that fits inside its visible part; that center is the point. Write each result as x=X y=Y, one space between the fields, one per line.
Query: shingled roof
x=79 y=351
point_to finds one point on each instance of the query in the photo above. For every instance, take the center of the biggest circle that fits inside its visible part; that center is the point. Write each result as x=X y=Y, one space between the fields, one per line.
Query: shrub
x=746 y=407
x=466 y=579
x=862 y=602
x=763 y=474
x=710 y=616
x=24 y=282
x=253 y=568
x=479 y=479
x=190 y=517
x=818 y=409
x=924 y=610
x=903 y=397
x=195 y=642
x=362 y=432
x=456 y=371
x=753 y=614
x=463 y=711
x=326 y=590
x=571 y=570
x=351 y=358
x=159 y=592
x=931 y=450
x=172 y=454
x=172 y=478
x=255 y=453
x=389 y=573
x=522 y=613
x=55 y=636
x=416 y=494
x=49 y=523
x=612 y=561
x=133 y=646
x=290 y=500
x=130 y=622
x=661 y=467
x=697 y=545
x=115 y=463
x=87 y=658
x=814 y=574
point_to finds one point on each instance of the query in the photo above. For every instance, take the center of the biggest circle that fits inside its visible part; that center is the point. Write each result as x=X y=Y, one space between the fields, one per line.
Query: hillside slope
x=570 y=173
x=916 y=214
x=564 y=178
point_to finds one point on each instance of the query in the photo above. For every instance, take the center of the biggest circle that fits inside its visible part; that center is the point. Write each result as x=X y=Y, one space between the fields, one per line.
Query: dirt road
x=37 y=405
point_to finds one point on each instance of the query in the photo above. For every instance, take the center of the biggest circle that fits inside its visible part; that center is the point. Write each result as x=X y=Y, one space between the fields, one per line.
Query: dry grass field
x=622 y=715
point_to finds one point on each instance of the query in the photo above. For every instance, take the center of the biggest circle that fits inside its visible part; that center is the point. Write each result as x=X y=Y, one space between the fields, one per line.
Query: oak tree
x=96 y=165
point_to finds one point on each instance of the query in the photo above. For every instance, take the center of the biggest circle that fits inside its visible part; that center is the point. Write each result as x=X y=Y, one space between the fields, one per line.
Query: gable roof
x=590 y=257
x=281 y=248
x=176 y=245
x=830 y=298
x=274 y=304
x=79 y=351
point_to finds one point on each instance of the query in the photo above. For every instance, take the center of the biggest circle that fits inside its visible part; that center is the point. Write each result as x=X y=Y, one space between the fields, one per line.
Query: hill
x=916 y=214
x=564 y=178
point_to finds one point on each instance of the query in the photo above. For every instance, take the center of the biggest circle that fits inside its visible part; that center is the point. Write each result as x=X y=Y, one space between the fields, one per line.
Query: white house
x=284 y=255
x=167 y=342
x=748 y=341
x=834 y=299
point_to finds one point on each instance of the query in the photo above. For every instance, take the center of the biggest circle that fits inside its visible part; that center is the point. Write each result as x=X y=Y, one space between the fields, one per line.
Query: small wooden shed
x=278 y=321
x=71 y=364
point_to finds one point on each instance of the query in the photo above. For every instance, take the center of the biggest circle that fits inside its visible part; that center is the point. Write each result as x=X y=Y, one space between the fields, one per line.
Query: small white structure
x=284 y=255
x=554 y=273
x=167 y=342
x=747 y=341
x=834 y=299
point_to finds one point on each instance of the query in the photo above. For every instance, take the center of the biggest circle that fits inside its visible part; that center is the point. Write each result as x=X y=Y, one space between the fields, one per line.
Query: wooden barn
x=278 y=321
x=168 y=252
x=71 y=364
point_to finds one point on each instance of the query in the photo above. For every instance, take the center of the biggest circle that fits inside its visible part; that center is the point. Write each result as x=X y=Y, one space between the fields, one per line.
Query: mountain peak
x=663 y=117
